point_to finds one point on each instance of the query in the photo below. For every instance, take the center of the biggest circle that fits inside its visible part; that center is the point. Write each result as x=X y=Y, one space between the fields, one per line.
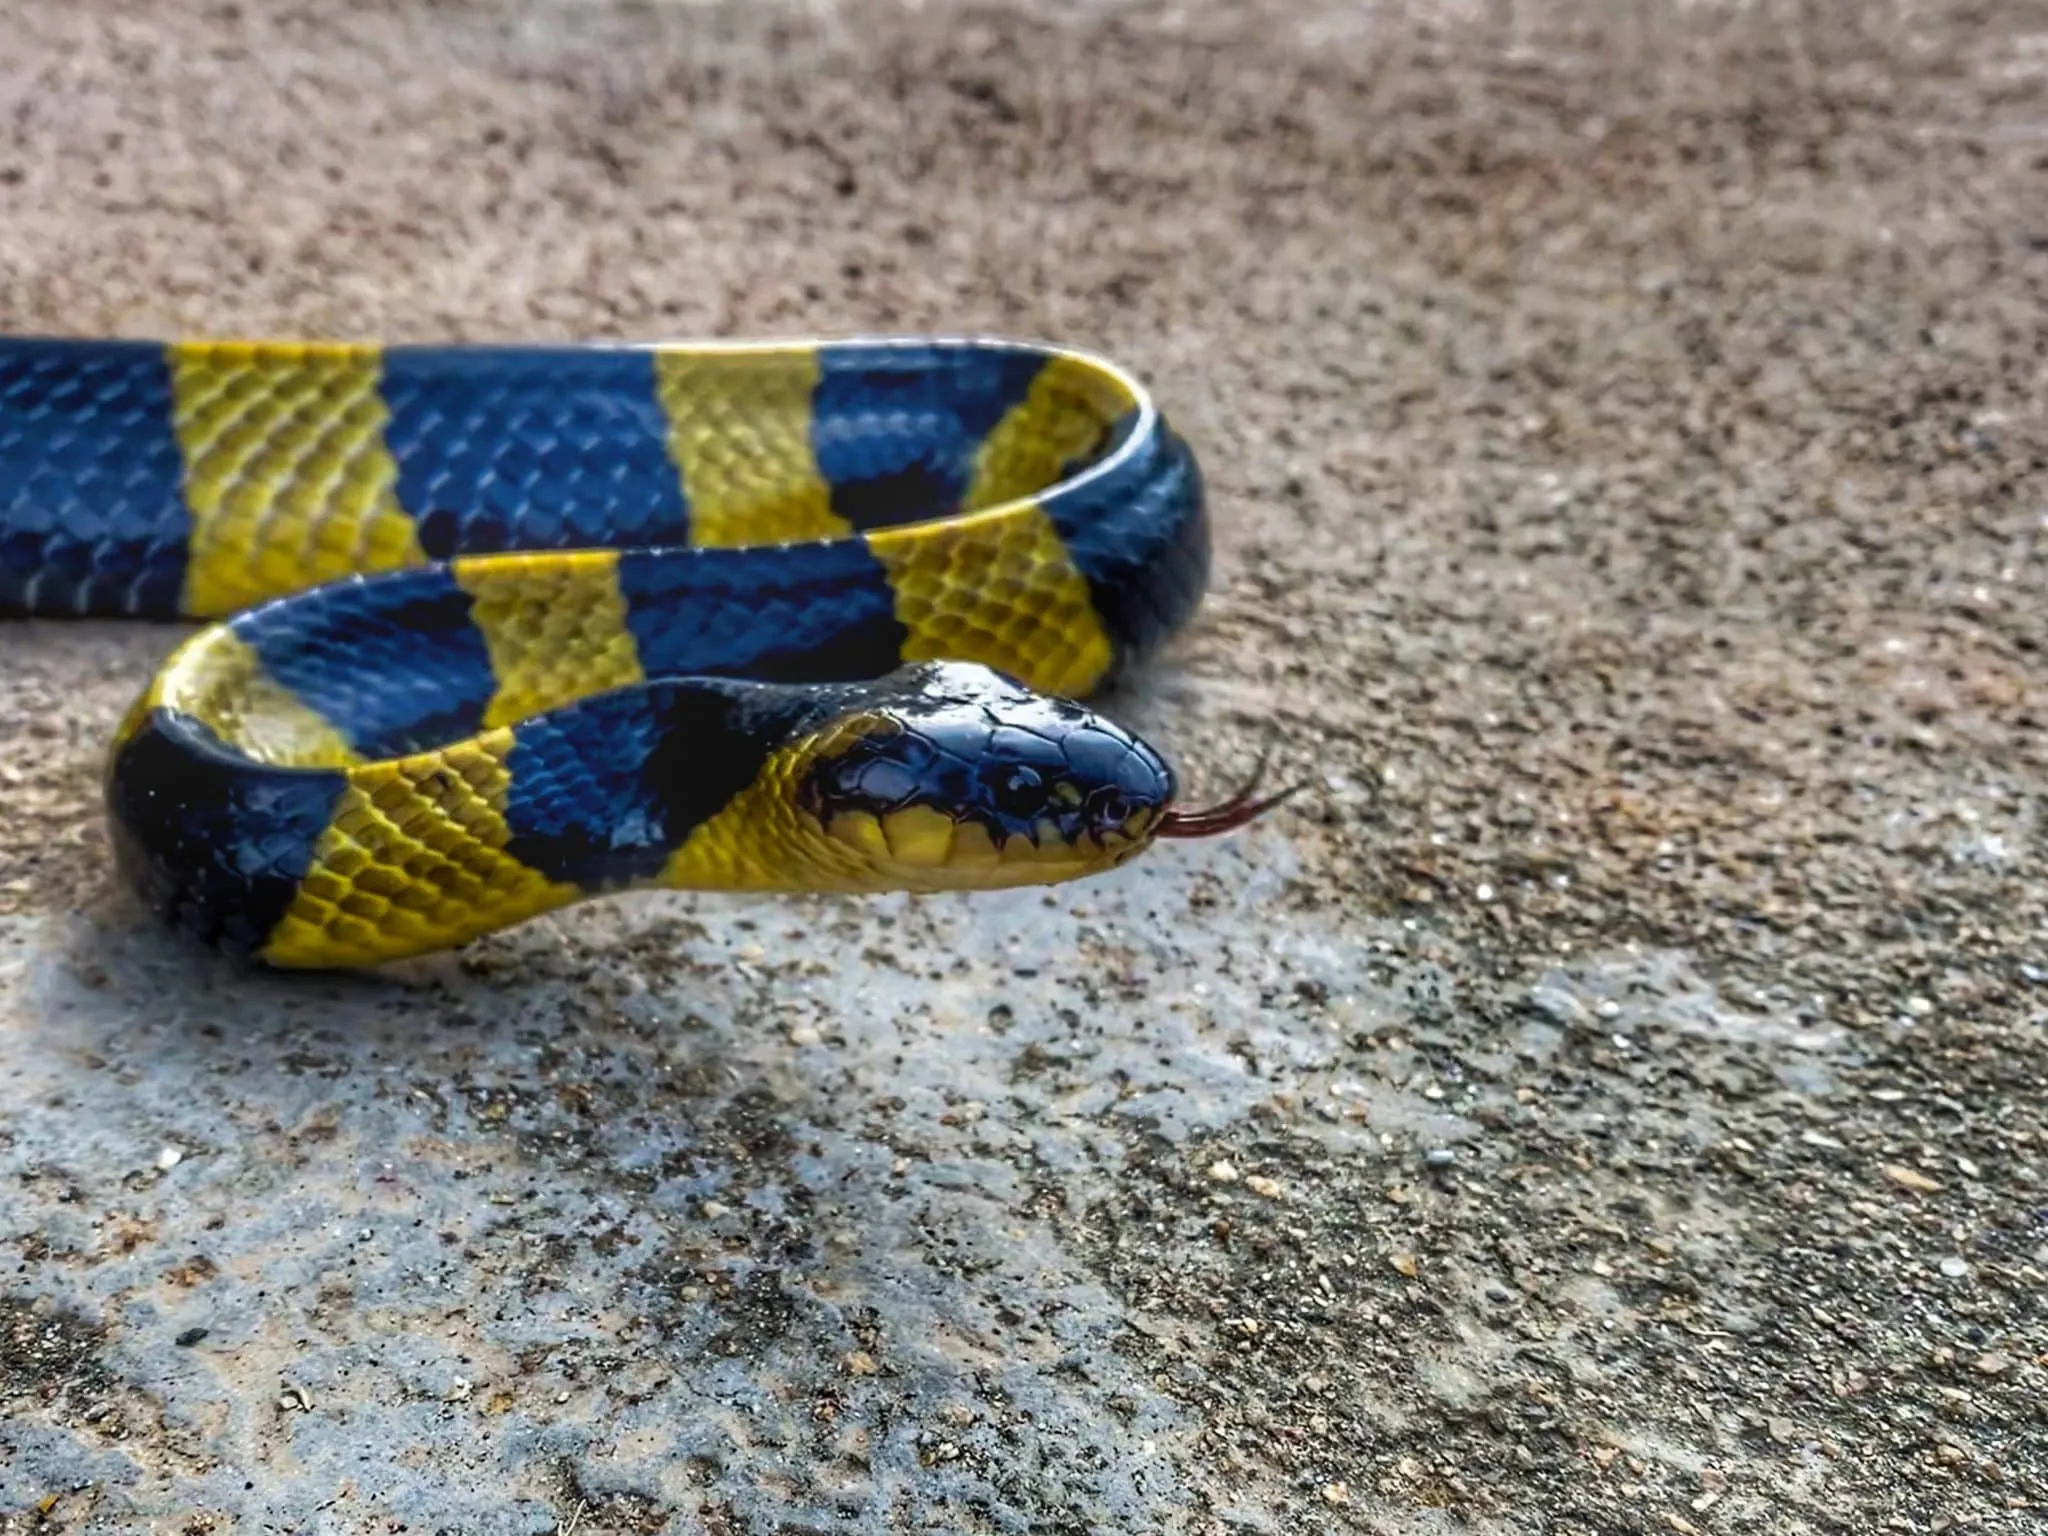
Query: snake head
x=964 y=780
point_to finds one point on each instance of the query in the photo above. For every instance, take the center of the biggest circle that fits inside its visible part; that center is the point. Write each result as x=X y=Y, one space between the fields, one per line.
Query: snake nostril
x=1111 y=808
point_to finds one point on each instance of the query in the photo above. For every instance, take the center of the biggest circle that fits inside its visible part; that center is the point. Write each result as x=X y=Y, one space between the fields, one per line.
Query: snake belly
x=487 y=630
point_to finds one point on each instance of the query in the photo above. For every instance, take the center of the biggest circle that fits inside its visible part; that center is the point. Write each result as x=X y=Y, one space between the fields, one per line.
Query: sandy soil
x=1611 y=1100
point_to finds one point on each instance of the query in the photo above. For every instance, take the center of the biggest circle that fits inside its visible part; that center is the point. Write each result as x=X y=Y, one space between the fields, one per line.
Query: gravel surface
x=1612 y=1100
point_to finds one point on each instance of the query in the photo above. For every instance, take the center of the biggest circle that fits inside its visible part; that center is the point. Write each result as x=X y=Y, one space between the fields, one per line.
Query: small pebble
x=713 y=1210
x=1336 y=1493
x=191 y=1336
x=169 y=1158
x=1910 y=1178
x=861 y=1363
x=1264 y=1187
x=1993 y=1364
x=1404 y=1263
x=1954 y=1267
x=1223 y=1172
x=1439 y=1157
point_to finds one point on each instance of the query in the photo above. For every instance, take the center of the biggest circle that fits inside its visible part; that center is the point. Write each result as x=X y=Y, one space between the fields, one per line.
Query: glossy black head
x=956 y=778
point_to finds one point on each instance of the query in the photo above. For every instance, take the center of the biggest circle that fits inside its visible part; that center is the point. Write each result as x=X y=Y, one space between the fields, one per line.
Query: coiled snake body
x=491 y=629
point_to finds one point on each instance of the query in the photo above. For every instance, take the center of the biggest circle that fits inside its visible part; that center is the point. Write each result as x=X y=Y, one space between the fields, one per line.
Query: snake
x=478 y=630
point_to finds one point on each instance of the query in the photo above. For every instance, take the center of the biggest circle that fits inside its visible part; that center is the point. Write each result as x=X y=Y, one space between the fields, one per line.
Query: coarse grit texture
x=1610 y=1100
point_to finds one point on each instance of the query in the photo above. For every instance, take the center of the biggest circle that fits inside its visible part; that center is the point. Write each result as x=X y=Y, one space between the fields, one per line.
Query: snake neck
x=356 y=864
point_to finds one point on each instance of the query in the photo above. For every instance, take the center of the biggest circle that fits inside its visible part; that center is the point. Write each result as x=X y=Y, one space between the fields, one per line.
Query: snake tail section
x=192 y=480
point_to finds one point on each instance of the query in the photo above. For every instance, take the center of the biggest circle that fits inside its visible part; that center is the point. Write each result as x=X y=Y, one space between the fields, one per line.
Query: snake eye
x=1018 y=789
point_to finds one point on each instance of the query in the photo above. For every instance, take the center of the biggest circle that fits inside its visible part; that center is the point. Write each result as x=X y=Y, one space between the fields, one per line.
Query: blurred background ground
x=1612 y=1100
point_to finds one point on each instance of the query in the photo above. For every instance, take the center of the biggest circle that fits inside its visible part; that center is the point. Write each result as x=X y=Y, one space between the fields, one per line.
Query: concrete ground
x=1611 y=1101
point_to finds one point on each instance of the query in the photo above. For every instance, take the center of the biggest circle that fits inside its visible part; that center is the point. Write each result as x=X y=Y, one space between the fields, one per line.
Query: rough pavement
x=1611 y=1101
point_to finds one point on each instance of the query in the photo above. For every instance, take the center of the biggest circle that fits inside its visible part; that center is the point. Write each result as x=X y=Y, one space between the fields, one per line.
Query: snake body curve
x=489 y=629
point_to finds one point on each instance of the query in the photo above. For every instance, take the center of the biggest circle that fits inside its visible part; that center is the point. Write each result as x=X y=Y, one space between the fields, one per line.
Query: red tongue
x=1240 y=810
